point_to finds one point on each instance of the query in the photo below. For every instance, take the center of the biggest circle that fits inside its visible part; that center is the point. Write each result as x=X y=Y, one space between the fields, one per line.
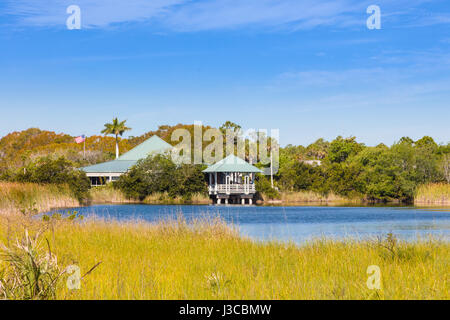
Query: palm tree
x=116 y=128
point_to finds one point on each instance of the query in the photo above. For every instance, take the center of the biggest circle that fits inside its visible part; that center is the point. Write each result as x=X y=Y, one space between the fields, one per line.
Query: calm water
x=298 y=223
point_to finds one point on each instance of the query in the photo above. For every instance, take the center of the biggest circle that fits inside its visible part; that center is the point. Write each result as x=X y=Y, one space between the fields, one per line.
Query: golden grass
x=17 y=196
x=164 y=198
x=311 y=196
x=107 y=194
x=433 y=194
x=208 y=260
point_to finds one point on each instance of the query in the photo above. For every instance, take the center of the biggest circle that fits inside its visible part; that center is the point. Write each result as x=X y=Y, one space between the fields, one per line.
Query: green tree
x=383 y=173
x=116 y=128
x=318 y=150
x=406 y=140
x=264 y=187
x=340 y=149
x=158 y=174
x=428 y=144
x=446 y=167
x=230 y=126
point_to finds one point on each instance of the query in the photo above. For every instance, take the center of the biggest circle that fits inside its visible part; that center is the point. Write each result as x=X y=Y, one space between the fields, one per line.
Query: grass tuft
x=434 y=193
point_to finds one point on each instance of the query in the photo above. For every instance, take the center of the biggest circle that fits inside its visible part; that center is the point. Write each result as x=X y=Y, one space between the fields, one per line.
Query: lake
x=297 y=223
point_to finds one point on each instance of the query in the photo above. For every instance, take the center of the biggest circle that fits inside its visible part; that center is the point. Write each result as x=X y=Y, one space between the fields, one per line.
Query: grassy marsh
x=209 y=260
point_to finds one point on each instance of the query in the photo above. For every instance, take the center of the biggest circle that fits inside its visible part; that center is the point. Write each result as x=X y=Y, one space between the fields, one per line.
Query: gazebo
x=232 y=180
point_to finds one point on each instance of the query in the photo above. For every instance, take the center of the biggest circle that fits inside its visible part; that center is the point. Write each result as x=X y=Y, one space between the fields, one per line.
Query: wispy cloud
x=421 y=73
x=197 y=15
x=95 y=13
x=321 y=83
x=220 y=14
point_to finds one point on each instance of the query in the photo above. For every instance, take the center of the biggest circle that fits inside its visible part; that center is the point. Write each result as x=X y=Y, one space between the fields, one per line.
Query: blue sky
x=309 y=68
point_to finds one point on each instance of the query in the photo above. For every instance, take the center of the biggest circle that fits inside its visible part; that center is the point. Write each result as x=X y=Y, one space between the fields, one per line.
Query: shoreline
x=269 y=204
x=17 y=198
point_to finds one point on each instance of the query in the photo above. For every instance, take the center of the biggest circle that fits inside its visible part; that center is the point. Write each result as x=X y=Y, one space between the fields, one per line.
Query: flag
x=80 y=139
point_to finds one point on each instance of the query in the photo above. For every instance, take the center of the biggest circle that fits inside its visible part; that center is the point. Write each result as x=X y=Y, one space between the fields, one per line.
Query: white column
x=250 y=201
x=215 y=182
x=243 y=200
x=218 y=201
x=227 y=182
x=226 y=200
x=271 y=168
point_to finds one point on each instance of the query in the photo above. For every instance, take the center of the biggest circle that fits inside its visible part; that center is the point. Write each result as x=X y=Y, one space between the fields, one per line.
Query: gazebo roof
x=232 y=164
x=153 y=145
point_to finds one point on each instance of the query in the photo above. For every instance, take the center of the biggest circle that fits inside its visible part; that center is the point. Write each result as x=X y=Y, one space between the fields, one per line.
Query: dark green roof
x=232 y=164
x=154 y=145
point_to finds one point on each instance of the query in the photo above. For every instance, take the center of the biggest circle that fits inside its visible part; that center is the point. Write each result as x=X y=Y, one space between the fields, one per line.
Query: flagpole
x=84 y=148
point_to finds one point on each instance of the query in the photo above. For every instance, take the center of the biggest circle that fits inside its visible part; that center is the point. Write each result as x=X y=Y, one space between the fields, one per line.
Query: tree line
x=348 y=168
x=351 y=169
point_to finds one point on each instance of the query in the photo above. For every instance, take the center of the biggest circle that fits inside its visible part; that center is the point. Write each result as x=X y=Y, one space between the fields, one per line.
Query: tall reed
x=433 y=194
x=16 y=197
x=164 y=198
x=108 y=194
x=310 y=196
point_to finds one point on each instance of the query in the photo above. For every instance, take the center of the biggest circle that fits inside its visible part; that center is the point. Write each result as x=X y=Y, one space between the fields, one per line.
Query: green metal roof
x=116 y=166
x=232 y=164
x=154 y=145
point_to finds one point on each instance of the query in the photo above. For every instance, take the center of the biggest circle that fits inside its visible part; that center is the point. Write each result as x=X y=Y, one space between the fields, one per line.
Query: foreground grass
x=16 y=197
x=208 y=260
x=435 y=193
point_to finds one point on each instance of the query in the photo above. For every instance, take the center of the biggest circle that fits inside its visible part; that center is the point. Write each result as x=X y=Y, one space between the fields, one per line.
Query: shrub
x=264 y=187
x=158 y=174
x=55 y=171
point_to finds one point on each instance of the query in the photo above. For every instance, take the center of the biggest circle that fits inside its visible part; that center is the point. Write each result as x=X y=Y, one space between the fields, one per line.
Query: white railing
x=232 y=188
